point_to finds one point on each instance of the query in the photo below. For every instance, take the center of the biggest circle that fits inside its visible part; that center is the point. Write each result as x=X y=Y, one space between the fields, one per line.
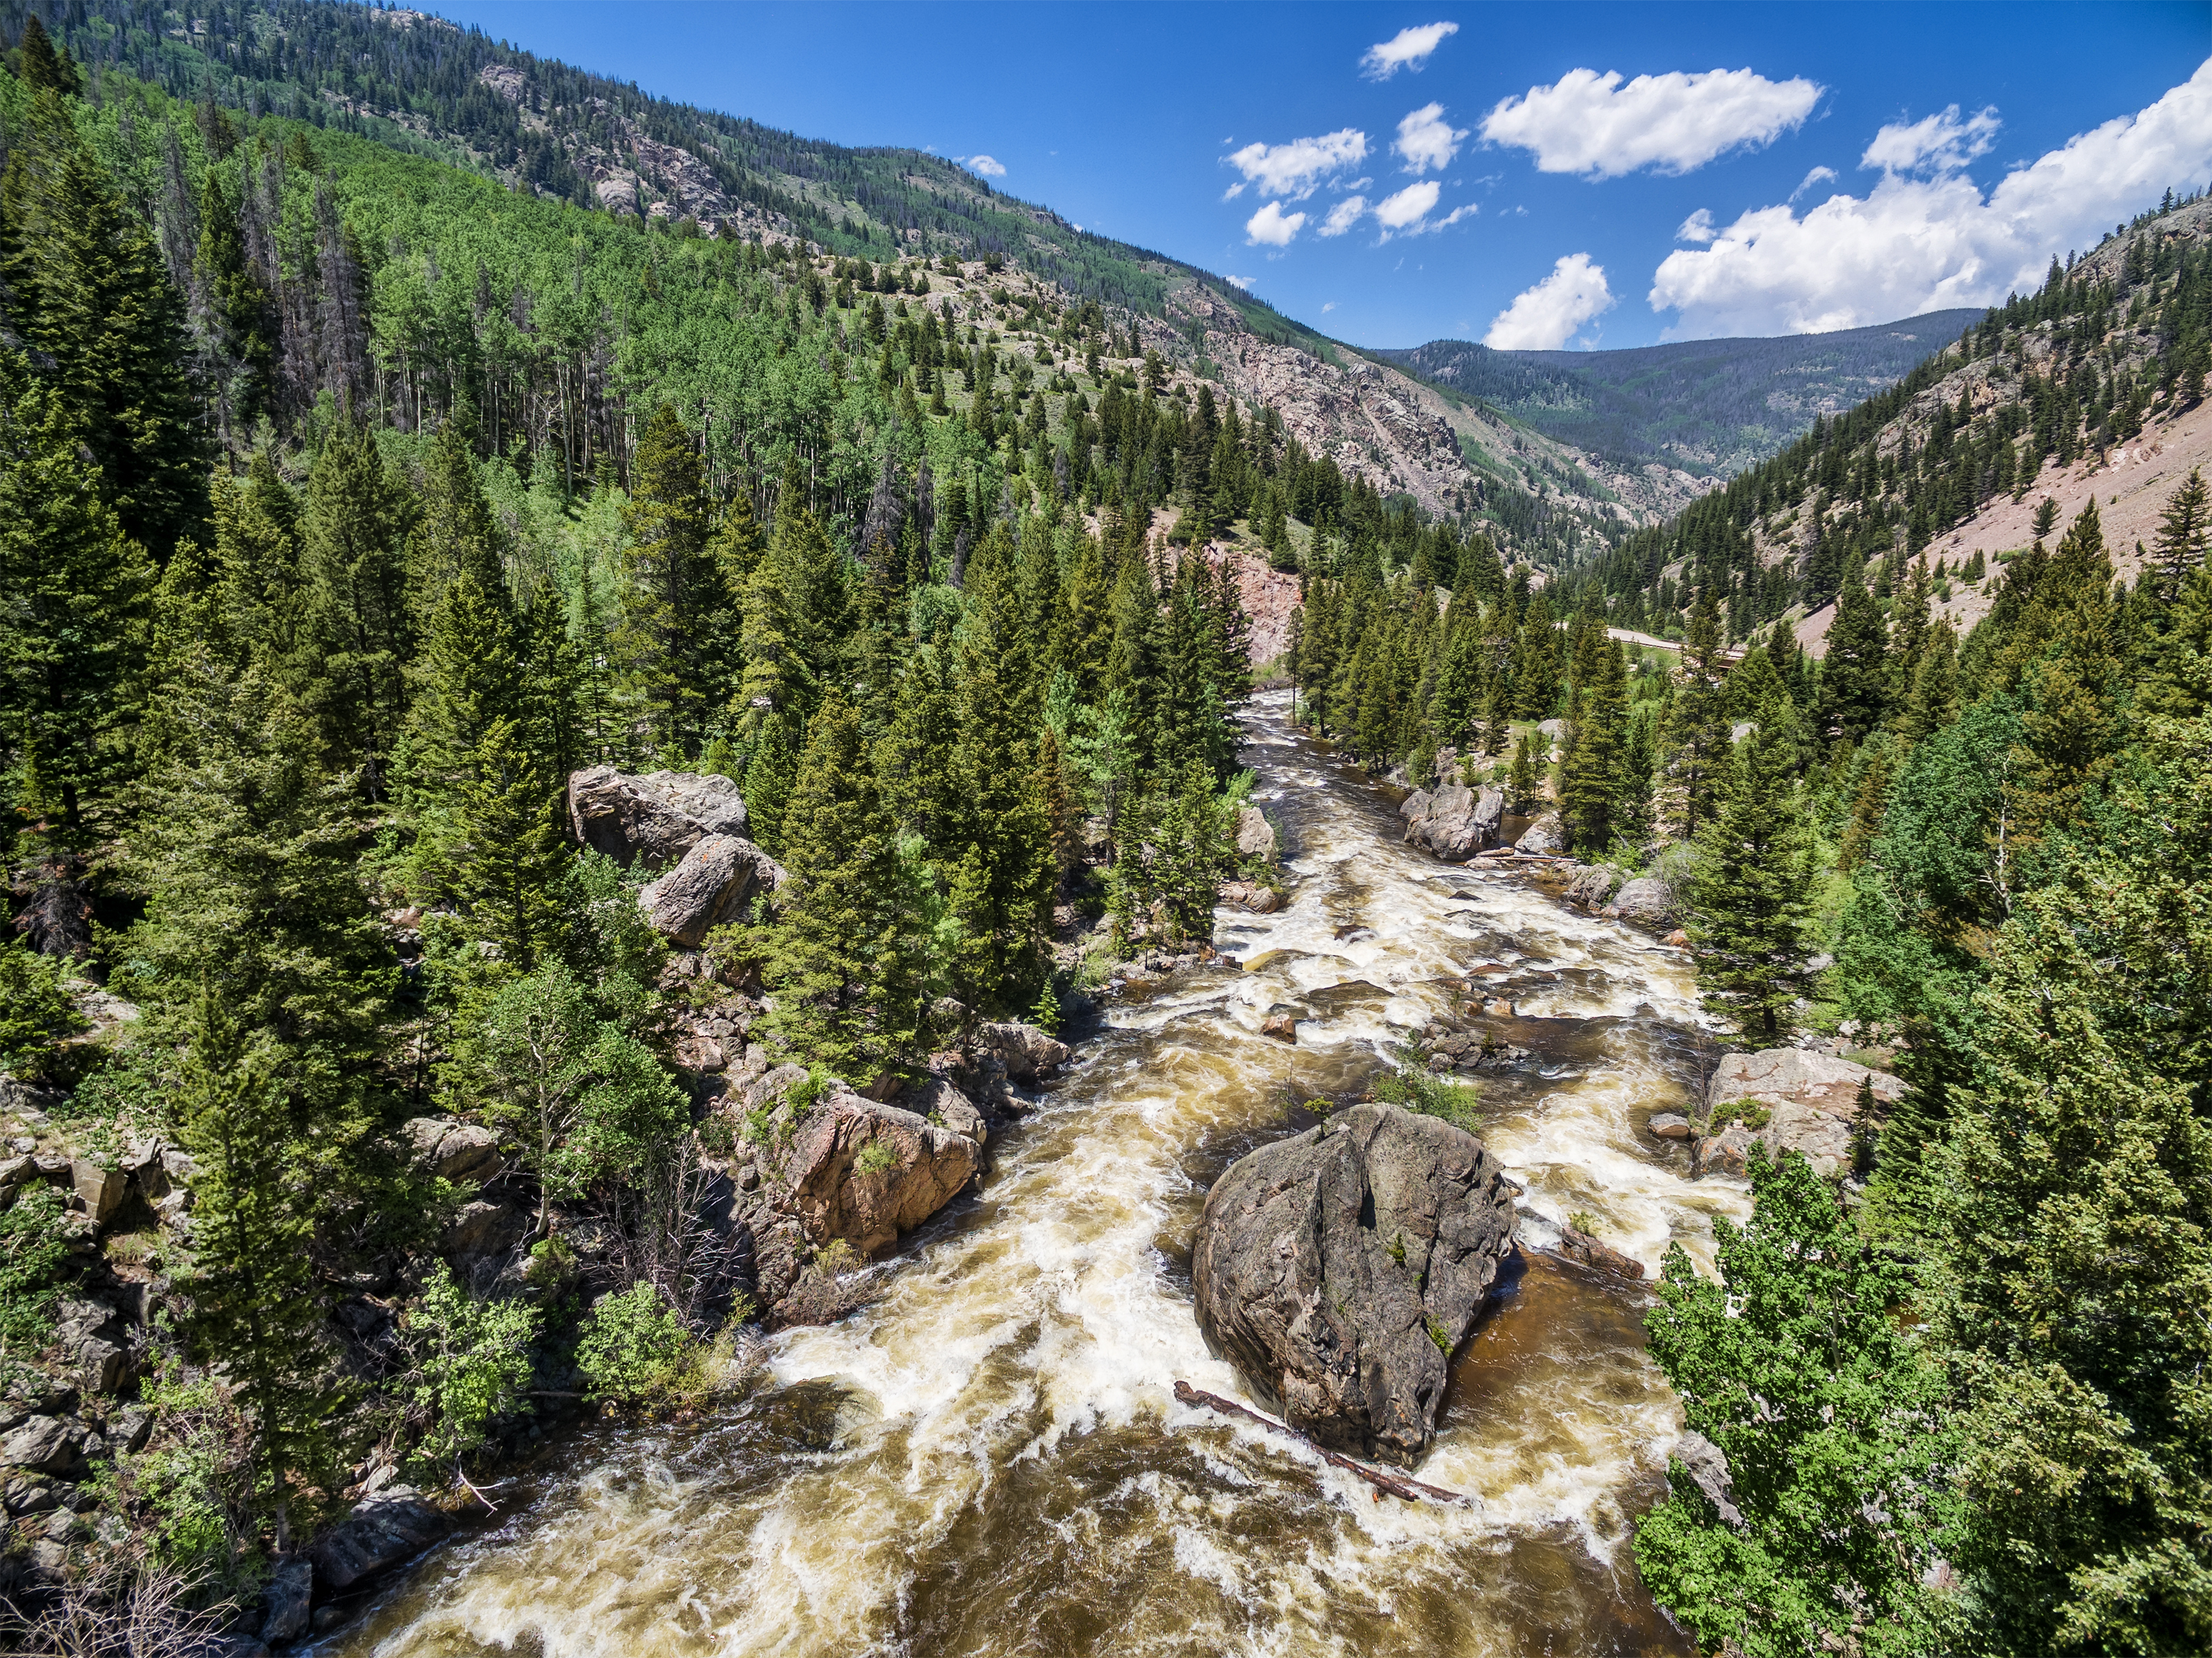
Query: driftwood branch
x=1409 y=1490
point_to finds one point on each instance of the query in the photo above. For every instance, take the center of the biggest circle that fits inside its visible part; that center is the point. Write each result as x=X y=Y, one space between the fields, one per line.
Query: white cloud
x=1408 y=48
x=1544 y=318
x=1425 y=139
x=1819 y=175
x=1593 y=125
x=1272 y=227
x=1296 y=169
x=984 y=165
x=1936 y=144
x=1408 y=207
x=1915 y=244
x=1345 y=214
x=1328 y=307
x=1242 y=283
x=1455 y=216
x=1697 y=228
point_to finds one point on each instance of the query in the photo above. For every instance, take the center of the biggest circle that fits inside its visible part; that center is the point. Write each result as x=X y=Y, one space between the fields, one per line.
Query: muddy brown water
x=989 y=1460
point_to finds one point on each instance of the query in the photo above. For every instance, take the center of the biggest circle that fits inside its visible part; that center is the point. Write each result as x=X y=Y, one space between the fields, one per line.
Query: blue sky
x=1753 y=169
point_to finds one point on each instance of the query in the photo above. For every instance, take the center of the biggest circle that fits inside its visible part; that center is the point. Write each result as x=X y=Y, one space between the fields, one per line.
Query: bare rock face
x=654 y=819
x=1339 y=1270
x=1030 y=1055
x=1251 y=896
x=1255 y=835
x=1808 y=1100
x=1547 y=836
x=717 y=877
x=1456 y=822
x=865 y=1172
x=1580 y=1247
x=394 y=1525
x=1593 y=885
x=459 y=1151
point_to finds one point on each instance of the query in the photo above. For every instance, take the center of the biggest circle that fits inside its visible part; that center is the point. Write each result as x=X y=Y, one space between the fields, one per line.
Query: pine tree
x=1855 y=689
x=679 y=616
x=1523 y=782
x=43 y=69
x=73 y=627
x=842 y=956
x=2181 y=531
x=88 y=300
x=512 y=854
x=1590 y=777
x=1752 y=898
x=354 y=639
x=1698 y=729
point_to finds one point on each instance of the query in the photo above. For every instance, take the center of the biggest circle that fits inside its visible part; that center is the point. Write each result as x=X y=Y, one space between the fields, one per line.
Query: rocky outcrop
x=1255 y=835
x=464 y=1153
x=1455 y=822
x=394 y=1525
x=1579 y=1246
x=865 y=1172
x=1787 y=1099
x=652 y=820
x=715 y=882
x=1546 y=836
x=1592 y=885
x=1030 y=1055
x=1340 y=1269
x=287 y=1601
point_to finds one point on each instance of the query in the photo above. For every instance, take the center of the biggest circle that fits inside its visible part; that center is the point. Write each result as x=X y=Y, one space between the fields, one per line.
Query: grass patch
x=1410 y=1084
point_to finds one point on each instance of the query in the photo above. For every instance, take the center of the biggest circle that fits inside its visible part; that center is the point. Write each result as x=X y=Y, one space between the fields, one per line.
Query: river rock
x=287 y=1601
x=1281 y=1024
x=1669 y=1126
x=1546 y=836
x=924 y=1167
x=1593 y=885
x=1031 y=1055
x=1255 y=835
x=1647 y=899
x=1253 y=896
x=717 y=877
x=1457 y=822
x=1810 y=1099
x=1579 y=1246
x=1339 y=1269
x=394 y=1525
x=652 y=820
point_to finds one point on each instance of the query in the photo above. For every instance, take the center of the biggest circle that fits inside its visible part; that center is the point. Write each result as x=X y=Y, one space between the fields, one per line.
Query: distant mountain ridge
x=1710 y=407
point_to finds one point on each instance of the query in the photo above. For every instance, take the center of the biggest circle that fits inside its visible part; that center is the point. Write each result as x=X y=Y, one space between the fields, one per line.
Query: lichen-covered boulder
x=652 y=820
x=1788 y=1099
x=1546 y=836
x=717 y=879
x=1255 y=835
x=864 y=1172
x=1648 y=899
x=1338 y=1271
x=1456 y=822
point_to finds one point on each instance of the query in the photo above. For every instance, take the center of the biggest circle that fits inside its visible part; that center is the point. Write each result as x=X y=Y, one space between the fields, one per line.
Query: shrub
x=877 y=1158
x=472 y=1365
x=31 y=1250
x=633 y=1348
x=1410 y=1084
x=35 y=1011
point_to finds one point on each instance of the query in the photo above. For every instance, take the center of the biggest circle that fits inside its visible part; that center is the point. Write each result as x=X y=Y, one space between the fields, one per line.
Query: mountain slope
x=1707 y=406
x=417 y=83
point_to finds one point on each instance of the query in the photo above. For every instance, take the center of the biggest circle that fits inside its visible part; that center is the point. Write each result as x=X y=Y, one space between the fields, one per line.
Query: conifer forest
x=611 y=795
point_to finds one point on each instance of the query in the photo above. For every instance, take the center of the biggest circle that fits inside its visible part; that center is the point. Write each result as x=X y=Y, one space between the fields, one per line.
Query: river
x=988 y=1459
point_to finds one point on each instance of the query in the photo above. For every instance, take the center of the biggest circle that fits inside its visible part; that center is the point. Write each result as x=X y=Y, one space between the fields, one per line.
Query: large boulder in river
x=1649 y=899
x=1340 y=1269
x=1030 y=1055
x=717 y=879
x=652 y=820
x=1456 y=822
x=394 y=1525
x=1255 y=835
x=865 y=1172
x=1789 y=1100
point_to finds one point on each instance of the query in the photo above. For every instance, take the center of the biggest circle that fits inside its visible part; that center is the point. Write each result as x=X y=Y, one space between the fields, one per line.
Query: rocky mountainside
x=1707 y=407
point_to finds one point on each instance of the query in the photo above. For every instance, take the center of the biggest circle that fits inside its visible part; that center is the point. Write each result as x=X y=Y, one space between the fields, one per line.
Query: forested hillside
x=377 y=531
x=1953 y=1396
x=1710 y=406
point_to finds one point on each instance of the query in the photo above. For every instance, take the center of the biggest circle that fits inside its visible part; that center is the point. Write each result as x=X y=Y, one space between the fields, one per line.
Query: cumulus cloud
x=1345 y=214
x=984 y=165
x=1915 y=243
x=1425 y=139
x=1697 y=228
x=1544 y=318
x=1938 y=143
x=1408 y=48
x=1272 y=227
x=1819 y=175
x=1329 y=307
x=1408 y=207
x=1242 y=283
x=1596 y=125
x=1295 y=170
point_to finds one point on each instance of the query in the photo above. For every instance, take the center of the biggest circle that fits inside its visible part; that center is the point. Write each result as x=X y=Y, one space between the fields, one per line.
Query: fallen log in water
x=1398 y=1485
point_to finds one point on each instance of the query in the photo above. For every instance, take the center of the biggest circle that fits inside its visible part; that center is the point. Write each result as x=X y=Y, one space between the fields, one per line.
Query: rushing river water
x=989 y=1459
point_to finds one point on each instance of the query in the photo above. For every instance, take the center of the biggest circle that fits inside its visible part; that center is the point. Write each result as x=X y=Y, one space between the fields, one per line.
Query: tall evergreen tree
x=354 y=641
x=680 y=617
